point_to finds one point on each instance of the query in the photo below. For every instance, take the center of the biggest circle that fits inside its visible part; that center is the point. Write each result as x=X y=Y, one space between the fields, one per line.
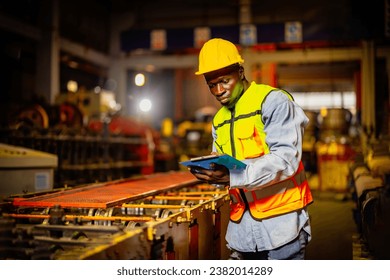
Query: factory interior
x=99 y=104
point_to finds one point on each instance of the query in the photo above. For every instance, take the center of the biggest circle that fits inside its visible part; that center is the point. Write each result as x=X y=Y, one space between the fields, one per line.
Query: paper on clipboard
x=204 y=162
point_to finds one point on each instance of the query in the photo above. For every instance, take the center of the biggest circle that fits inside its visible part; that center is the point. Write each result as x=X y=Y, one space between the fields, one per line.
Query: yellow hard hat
x=217 y=54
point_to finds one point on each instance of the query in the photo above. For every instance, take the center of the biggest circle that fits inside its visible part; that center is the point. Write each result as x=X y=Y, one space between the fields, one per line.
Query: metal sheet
x=112 y=193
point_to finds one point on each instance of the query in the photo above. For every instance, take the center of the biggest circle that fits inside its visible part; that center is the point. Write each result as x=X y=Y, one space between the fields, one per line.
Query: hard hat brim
x=219 y=68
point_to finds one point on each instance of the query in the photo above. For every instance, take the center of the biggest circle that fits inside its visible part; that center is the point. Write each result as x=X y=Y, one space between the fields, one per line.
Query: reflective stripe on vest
x=276 y=189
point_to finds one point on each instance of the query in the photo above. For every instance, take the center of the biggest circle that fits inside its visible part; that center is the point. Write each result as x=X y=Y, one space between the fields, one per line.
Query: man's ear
x=241 y=72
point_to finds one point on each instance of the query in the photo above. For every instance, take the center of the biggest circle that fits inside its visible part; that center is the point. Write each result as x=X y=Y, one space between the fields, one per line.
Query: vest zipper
x=232 y=144
x=233 y=147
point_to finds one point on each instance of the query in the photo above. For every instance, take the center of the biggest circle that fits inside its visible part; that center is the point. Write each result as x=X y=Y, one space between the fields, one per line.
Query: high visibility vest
x=240 y=133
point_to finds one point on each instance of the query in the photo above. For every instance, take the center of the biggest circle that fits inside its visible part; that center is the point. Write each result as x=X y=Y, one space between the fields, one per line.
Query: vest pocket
x=249 y=142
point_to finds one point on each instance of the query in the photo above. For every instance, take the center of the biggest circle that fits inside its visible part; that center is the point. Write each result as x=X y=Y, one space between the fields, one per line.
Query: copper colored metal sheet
x=112 y=193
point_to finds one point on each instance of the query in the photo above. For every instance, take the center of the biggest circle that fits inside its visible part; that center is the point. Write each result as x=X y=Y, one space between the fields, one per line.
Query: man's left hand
x=217 y=174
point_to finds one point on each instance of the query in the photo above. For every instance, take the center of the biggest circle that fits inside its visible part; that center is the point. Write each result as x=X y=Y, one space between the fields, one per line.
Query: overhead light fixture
x=145 y=105
x=72 y=86
x=139 y=79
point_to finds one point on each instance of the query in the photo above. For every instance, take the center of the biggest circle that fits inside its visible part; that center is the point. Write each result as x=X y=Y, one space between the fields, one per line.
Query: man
x=263 y=127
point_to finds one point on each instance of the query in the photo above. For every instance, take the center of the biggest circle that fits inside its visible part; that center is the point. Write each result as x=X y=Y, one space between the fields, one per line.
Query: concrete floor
x=333 y=227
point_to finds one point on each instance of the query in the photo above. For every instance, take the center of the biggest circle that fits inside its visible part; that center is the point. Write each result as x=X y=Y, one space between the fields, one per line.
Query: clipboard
x=204 y=162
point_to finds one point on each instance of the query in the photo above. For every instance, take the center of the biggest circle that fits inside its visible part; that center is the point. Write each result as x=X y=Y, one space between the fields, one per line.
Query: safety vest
x=240 y=133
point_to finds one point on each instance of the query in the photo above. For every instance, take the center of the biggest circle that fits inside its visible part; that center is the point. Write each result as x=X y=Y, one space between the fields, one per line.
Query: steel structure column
x=368 y=88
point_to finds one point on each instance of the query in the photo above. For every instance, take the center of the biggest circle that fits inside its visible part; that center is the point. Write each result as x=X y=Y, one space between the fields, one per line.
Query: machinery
x=24 y=170
x=103 y=199
x=161 y=216
x=91 y=143
x=370 y=179
x=194 y=137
